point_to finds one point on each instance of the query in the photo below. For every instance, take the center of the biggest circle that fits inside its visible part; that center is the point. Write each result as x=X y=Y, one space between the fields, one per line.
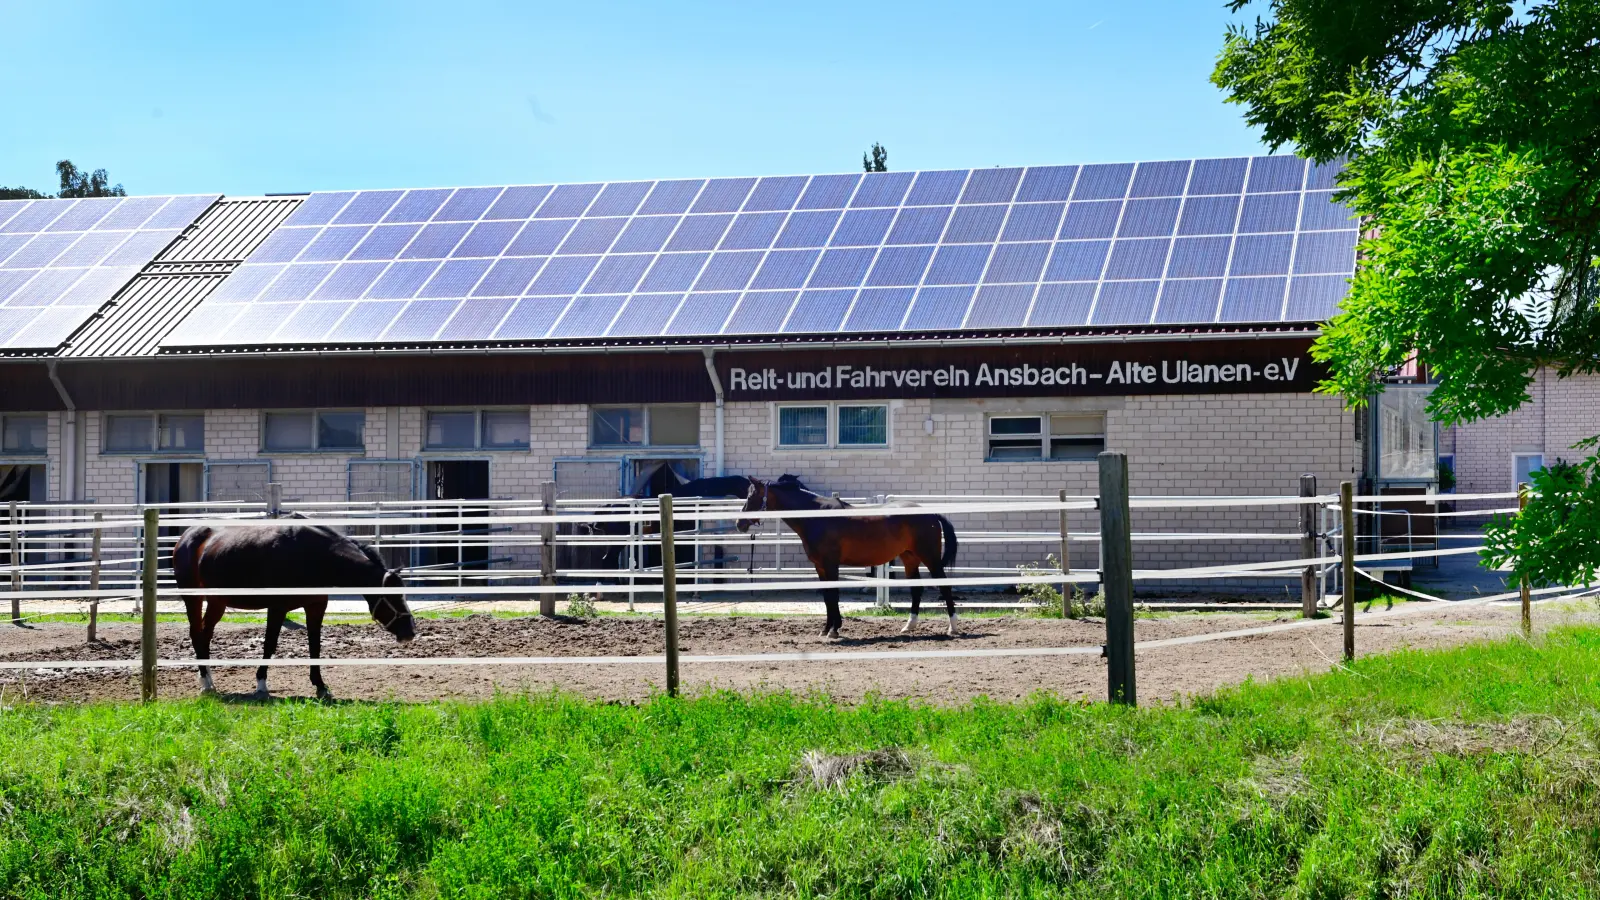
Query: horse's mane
x=794 y=484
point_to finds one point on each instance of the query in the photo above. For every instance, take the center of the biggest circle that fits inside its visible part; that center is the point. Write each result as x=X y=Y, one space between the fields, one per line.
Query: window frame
x=645 y=427
x=832 y=408
x=316 y=414
x=41 y=453
x=1044 y=436
x=479 y=417
x=1521 y=454
x=156 y=418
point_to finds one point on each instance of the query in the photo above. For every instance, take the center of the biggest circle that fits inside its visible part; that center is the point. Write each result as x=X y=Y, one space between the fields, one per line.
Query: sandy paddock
x=1164 y=673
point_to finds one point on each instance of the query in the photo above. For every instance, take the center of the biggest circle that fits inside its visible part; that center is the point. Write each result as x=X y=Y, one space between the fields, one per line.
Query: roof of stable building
x=1213 y=245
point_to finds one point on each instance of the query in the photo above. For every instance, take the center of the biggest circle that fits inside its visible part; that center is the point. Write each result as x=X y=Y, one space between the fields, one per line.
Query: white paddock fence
x=57 y=555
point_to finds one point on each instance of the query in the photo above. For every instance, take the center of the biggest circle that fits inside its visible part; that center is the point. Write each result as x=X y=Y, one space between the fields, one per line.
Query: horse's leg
x=910 y=562
x=197 y=639
x=830 y=599
x=936 y=569
x=275 y=614
x=315 y=608
x=215 y=607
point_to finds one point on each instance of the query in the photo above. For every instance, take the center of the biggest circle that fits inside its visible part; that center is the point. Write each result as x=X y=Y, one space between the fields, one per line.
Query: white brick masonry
x=1562 y=412
x=1240 y=444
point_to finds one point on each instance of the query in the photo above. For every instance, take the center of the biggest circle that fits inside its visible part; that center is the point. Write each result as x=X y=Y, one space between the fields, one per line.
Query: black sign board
x=1250 y=365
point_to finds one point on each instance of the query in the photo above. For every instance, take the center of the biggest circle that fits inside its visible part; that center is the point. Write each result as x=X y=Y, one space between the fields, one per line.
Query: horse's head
x=391 y=611
x=754 y=501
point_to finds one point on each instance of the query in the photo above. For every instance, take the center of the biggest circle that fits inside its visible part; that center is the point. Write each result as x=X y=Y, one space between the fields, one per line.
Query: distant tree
x=76 y=183
x=876 y=159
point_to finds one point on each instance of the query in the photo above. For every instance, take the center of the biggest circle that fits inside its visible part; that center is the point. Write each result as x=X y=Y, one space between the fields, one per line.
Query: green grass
x=1469 y=773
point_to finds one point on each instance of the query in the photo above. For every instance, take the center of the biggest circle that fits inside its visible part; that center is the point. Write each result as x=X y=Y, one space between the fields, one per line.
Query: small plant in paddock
x=1046 y=600
x=581 y=606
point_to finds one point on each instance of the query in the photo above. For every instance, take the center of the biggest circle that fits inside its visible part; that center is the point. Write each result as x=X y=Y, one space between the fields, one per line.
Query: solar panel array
x=1232 y=240
x=61 y=259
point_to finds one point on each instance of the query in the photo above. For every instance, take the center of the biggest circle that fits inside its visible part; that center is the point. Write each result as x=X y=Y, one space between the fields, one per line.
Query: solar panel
x=60 y=260
x=1239 y=240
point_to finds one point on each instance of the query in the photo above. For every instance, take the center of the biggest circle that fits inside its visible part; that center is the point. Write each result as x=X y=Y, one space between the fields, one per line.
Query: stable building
x=982 y=331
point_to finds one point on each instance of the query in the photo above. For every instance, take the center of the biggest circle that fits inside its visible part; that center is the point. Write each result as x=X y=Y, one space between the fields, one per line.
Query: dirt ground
x=1164 y=673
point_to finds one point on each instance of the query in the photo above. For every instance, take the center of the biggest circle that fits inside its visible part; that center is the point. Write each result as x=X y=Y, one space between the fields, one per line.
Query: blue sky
x=289 y=96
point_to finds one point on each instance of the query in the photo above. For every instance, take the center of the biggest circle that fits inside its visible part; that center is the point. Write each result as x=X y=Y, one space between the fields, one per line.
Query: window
x=824 y=425
x=1077 y=437
x=466 y=429
x=1447 y=472
x=644 y=426
x=1406 y=434
x=180 y=433
x=309 y=430
x=505 y=428
x=1523 y=465
x=863 y=426
x=22 y=434
x=1061 y=436
x=155 y=433
x=803 y=426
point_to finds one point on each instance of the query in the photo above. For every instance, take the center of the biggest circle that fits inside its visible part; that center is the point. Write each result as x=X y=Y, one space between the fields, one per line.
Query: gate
x=379 y=481
x=589 y=479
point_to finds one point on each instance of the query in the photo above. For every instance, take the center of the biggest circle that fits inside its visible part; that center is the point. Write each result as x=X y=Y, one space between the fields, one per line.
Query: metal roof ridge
x=468 y=187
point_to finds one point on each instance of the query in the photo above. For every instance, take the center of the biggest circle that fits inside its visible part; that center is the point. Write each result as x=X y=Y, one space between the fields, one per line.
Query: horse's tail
x=949 y=541
x=184 y=556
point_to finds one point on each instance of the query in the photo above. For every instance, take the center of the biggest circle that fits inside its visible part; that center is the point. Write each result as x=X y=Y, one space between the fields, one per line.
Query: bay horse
x=281 y=556
x=866 y=540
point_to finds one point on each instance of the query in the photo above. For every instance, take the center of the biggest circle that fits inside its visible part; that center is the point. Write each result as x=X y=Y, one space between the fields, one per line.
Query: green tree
x=76 y=183
x=1471 y=130
x=876 y=159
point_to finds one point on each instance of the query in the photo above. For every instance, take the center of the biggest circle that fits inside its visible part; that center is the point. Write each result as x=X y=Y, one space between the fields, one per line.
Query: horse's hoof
x=324 y=694
x=833 y=633
x=261 y=695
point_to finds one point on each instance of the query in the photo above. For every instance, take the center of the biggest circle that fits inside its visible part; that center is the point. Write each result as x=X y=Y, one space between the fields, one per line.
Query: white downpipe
x=69 y=438
x=716 y=385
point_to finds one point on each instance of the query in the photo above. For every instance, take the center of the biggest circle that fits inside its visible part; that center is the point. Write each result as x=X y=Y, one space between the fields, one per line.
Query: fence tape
x=802 y=656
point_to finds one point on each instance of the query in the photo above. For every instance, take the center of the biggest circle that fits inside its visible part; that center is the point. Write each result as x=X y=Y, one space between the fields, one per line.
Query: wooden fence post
x=94 y=578
x=16 y=565
x=1527 y=596
x=669 y=593
x=1347 y=547
x=547 y=548
x=147 y=633
x=1116 y=576
x=1066 y=564
x=1308 y=548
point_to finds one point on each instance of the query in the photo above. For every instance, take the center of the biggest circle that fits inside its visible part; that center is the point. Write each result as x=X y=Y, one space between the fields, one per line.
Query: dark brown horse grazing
x=867 y=540
x=281 y=556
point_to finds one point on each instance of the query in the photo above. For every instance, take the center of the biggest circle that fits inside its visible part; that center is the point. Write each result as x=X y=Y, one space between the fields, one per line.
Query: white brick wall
x=1236 y=445
x=1562 y=412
